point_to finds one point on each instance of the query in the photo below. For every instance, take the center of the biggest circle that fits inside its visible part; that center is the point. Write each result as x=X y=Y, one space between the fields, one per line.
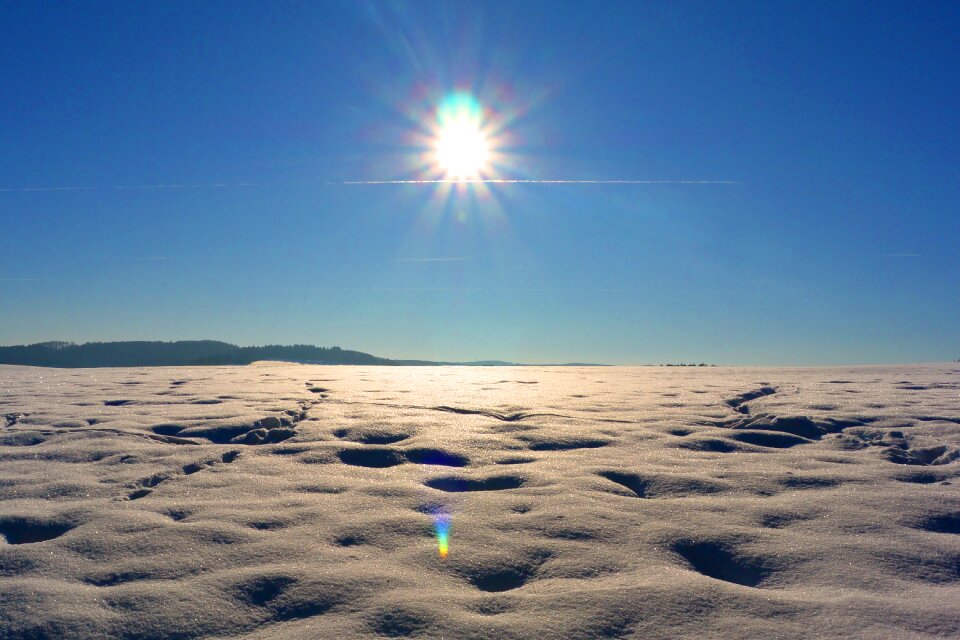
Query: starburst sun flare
x=461 y=147
x=462 y=151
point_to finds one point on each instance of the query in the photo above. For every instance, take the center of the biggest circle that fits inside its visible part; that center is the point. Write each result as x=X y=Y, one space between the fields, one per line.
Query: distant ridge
x=195 y=353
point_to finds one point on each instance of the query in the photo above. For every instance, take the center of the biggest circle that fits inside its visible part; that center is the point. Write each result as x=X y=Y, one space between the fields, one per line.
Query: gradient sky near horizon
x=184 y=170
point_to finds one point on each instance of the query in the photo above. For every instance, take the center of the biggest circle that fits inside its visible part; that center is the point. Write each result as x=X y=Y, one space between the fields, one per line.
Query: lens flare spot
x=441 y=525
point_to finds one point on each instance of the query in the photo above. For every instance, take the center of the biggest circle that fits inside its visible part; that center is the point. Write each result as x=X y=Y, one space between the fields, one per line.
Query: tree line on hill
x=180 y=353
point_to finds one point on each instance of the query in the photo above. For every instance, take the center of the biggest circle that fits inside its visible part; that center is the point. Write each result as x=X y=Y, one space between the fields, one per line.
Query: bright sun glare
x=462 y=149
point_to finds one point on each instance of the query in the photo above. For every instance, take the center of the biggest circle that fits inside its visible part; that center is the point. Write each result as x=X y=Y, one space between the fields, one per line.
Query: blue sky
x=833 y=127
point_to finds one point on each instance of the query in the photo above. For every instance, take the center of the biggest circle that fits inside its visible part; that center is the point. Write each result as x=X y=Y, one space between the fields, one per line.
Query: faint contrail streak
x=139 y=187
x=233 y=185
x=512 y=181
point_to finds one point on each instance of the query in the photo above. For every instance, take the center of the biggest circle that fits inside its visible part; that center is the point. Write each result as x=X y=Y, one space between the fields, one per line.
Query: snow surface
x=291 y=501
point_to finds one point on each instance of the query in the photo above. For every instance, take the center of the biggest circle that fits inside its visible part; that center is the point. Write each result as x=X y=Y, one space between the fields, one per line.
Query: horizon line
x=476 y=360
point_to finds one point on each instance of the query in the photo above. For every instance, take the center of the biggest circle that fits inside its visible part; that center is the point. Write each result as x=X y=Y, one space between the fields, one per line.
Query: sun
x=462 y=150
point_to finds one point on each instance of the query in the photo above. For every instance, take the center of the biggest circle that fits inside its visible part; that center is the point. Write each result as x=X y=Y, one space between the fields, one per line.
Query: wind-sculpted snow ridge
x=299 y=501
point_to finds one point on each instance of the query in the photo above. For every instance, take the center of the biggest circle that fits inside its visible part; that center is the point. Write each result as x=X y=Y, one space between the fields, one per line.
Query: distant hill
x=194 y=353
x=185 y=352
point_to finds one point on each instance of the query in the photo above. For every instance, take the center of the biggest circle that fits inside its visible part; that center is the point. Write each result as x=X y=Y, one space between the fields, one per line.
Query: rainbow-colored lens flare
x=441 y=525
x=460 y=108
